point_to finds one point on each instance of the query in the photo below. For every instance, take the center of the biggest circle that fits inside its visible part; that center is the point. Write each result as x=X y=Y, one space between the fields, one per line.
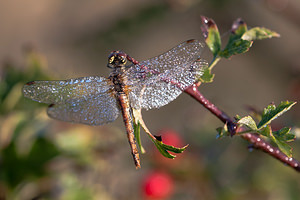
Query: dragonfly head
x=117 y=59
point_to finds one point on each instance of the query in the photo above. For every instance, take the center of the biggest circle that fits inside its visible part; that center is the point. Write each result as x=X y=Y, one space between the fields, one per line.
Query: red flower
x=158 y=185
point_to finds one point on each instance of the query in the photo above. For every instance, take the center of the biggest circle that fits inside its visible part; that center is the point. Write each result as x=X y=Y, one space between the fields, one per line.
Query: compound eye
x=111 y=59
x=123 y=59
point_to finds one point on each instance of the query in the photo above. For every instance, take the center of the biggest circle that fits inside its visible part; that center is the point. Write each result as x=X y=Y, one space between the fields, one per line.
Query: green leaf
x=164 y=149
x=259 y=33
x=222 y=131
x=238 y=28
x=264 y=131
x=207 y=76
x=237 y=46
x=248 y=122
x=279 y=138
x=272 y=112
x=284 y=135
x=174 y=149
x=285 y=148
x=211 y=35
x=137 y=136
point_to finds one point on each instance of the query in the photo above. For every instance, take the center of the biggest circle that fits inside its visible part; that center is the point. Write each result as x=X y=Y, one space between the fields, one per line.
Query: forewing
x=58 y=92
x=96 y=110
x=159 y=80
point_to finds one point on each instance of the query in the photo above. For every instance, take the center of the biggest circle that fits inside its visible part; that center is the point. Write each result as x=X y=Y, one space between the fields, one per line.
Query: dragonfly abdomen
x=123 y=101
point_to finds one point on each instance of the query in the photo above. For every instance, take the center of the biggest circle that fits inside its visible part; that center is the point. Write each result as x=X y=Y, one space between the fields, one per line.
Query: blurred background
x=41 y=158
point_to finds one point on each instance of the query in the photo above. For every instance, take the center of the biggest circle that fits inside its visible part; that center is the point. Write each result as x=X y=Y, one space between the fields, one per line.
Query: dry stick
x=253 y=138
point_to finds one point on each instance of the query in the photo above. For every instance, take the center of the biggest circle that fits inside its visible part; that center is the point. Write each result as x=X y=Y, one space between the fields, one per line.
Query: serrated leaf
x=272 y=112
x=207 y=76
x=164 y=149
x=279 y=141
x=174 y=149
x=248 y=122
x=259 y=33
x=284 y=134
x=211 y=34
x=137 y=135
x=285 y=148
x=234 y=47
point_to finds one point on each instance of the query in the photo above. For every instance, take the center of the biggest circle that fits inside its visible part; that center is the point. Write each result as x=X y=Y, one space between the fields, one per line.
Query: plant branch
x=253 y=138
x=261 y=144
x=195 y=93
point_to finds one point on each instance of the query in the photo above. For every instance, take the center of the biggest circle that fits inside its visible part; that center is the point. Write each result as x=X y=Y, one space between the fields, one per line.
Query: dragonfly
x=131 y=85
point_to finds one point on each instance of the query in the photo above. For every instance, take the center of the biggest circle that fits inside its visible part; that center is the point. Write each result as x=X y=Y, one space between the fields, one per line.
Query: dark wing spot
x=190 y=41
x=30 y=83
x=51 y=105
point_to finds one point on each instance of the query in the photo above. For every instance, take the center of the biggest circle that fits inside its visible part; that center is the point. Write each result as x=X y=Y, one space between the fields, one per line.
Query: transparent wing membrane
x=58 y=92
x=84 y=100
x=93 y=111
x=159 y=80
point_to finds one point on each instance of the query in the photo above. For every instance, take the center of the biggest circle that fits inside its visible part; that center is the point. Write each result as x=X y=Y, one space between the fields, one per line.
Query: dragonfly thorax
x=117 y=59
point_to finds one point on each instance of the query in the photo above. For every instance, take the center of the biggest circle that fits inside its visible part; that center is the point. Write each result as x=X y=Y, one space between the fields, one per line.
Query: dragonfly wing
x=84 y=100
x=97 y=110
x=58 y=92
x=159 y=80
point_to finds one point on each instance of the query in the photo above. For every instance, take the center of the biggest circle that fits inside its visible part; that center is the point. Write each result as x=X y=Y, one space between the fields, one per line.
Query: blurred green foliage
x=13 y=78
x=16 y=168
x=22 y=159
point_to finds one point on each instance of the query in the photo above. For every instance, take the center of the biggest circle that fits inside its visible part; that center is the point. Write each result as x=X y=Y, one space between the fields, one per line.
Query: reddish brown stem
x=195 y=93
x=261 y=144
x=253 y=138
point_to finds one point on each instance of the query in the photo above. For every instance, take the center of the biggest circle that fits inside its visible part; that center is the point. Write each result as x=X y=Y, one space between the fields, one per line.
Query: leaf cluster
x=263 y=127
x=240 y=40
